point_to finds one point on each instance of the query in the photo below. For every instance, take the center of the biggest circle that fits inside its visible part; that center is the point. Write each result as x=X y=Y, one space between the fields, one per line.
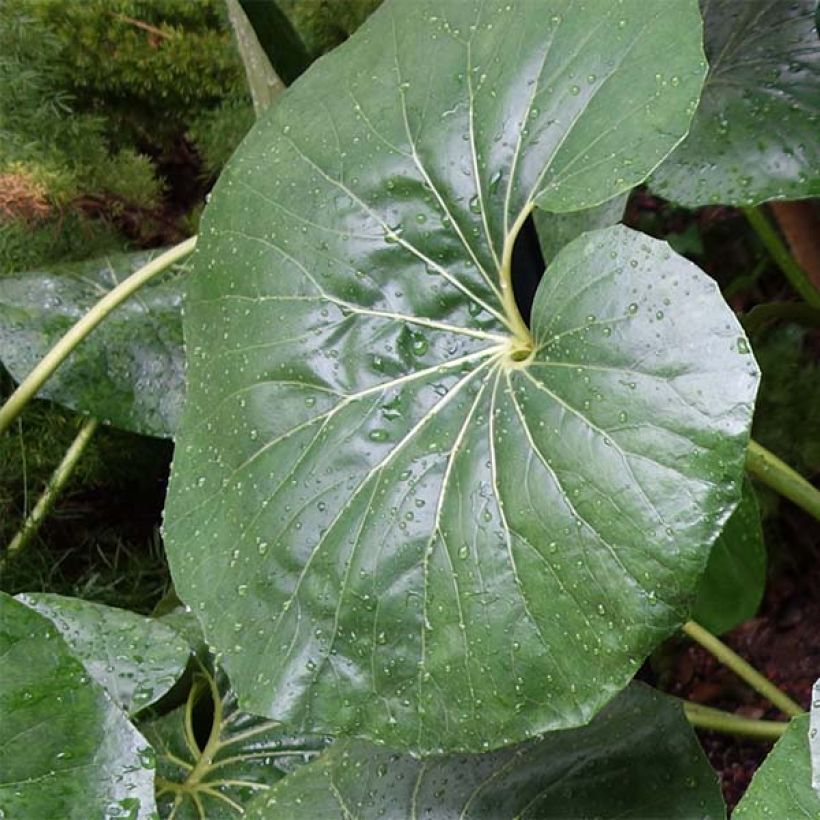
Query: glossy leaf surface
x=243 y=755
x=732 y=586
x=754 y=136
x=129 y=371
x=135 y=659
x=66 y=750
x=781 y=787
x=389 y=523
x=638 y=758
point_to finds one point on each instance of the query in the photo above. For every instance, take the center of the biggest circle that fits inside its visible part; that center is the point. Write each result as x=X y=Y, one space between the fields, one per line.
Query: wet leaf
x=136 y=659
x=66 y=750
x=129 y=371
x=639 y=758
x=732 y=586
x=781 y=787
x=557 y=230
x=389 y=520
x=241 y=755
x=754 y=136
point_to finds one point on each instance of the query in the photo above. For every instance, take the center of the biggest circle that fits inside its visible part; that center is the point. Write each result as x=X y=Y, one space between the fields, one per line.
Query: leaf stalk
x=59 y=478
x=716 y=720
x=742 y=668
x=29 y=387
x=768 y=468
x=777 y=249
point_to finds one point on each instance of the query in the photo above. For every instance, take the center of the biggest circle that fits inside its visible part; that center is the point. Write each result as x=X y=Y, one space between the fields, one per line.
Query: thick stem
x=58 y=354
x=742 y=669
x=56 y=483
x=780 y=253
x=716 y=720
x=516 y=323
x=767 y=467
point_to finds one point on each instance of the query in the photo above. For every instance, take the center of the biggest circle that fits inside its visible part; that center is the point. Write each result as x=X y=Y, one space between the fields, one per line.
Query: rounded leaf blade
x=348 y=512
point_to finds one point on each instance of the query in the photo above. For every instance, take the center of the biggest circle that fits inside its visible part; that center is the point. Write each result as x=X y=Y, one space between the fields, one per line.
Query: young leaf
x=396 y=511
x=754 y=136
x=639 y=758
x=129 y=371
x=732 y=586
x=242 y=755
x=66 y=750
x=557 y=230
x=781 y=787
x=135 y=659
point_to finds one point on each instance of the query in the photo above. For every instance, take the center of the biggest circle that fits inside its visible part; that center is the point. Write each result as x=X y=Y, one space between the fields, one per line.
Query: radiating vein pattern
x=387 y=525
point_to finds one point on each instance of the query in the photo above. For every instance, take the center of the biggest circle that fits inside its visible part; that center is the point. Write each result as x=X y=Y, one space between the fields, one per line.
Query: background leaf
x=732 y=586
x=781 y=787
x=66 y=750
x=404 y=522
x=638 y=758
x=754 y=136
x=135 y=659
x=557 y=230
x=129 y=371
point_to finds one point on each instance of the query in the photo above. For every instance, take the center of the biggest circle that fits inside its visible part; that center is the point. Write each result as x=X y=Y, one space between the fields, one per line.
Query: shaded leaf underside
x=386 y=524
x=638 y=758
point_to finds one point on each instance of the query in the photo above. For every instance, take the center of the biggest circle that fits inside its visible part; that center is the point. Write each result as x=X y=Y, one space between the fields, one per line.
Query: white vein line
x=396 y=237
x=573 y=510
x=359 y=109
x=520 y=140
x=381 y=314
x=608 y=321
x=508 y=530
x=426 y=176
x=414 y=811
x=326 y=416
x=428 y=549
x=376 y=470
x=540 y=456
x=585 y=108
x=438 y=530
x=370 y=237
x=499 y=772
x=474 y=153
x=604 y=435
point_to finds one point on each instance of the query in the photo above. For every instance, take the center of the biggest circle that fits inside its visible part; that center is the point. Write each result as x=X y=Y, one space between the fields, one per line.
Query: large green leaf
x=754 y=136
x=388 y=522
x=781 y=787
x=735 y=579
x=638 y=758
x=136 y=659
x=66 y=750
x=240 y=756
x=129 y=371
